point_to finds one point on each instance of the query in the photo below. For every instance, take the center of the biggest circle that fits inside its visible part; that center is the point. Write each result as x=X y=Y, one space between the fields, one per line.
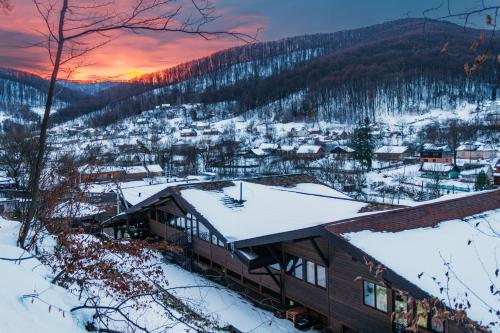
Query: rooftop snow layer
x=426 y=250
x=391 y=150
x=270 y=209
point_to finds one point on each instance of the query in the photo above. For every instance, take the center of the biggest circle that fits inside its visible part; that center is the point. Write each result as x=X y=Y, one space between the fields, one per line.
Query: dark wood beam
x=320 y=253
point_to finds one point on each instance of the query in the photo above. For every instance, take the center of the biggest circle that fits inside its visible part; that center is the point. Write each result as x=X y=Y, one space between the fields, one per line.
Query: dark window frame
x=375 y=285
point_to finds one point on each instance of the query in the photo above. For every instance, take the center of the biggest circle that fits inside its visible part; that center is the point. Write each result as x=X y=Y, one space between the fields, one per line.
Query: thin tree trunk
x=37 y=168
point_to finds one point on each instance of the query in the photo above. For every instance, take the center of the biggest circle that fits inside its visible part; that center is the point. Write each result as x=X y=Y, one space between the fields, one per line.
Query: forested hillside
x=398 y=67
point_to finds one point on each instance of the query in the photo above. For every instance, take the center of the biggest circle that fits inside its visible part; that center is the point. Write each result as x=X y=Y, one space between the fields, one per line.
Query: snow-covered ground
x=20 y=313
x=50 y=310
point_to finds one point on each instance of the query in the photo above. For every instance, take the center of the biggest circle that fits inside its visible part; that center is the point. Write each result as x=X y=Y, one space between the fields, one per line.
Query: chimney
x=241 y=192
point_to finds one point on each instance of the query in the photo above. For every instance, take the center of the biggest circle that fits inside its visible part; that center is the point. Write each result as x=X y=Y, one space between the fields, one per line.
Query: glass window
x=294 y=267
x=369 y=293
x=298 y=272
x=214 y=239
x=381 y=298
x=203 y=232
x=195 y=227
x=310 y=272
x=375 y=296
x=400 y=310
x=422 y=316
x=152 y=214
x=275 y=266
x=321 y=275
x=289 y=264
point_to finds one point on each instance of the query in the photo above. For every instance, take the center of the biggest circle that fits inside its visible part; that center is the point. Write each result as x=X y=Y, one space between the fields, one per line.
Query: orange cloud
x=128 y=56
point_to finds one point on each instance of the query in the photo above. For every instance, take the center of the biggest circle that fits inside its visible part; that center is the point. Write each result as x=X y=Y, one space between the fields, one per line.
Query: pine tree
x=363 y=144
x=482 y=182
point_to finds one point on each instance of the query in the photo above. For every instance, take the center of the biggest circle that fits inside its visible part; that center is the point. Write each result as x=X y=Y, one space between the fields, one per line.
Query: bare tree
x=73 y=29
x=6 y=6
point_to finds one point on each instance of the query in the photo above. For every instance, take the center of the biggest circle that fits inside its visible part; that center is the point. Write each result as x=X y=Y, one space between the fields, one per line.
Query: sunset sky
x=131 y=54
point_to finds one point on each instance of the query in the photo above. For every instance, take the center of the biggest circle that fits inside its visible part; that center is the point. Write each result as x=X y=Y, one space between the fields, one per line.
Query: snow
x=259 y=152
x=18 y=314
x=270 y=209
x=268 y=146
x=228 y=306
x=154 y=168
x=308 y=149
x=76 y=210
x=436 y=167
x=411 y=252
x=391 y=150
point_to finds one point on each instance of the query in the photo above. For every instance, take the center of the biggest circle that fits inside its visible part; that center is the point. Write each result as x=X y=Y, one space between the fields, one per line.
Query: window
x=424 y=320
x=310 y=272
x=369 y=291
x=195 y=226
x=294 y=267
x=422 y=316
x=315 y=274
x=375 y=296
x=152 y=214
x=321 y=276
x=203 y=232
x=400 y=310
x=275 y=266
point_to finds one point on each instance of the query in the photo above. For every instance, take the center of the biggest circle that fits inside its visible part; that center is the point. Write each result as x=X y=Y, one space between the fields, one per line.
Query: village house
x=436 y=154
x=103 y=173
x=470 y=175
x=391 y=153
x=188 y=132
x=211 y=132
x=308 y=249
x=201 y=125
x=269 y=147
x=439 y=170
x=310 y=152
x=342 y=152
x=297 y=132
x=476 y=151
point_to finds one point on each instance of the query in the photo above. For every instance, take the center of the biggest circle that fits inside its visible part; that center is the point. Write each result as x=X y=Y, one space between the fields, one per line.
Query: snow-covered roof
x=308 y=149
x=391 y=150
x=268 y=146
x=347 y=149
x=187 y=131
x=92 y=169
x=477 y=146
x=76 y=210
x=154 y=168
x=287 y=148
x=476 y=171
x=269 y=209
x=470 y=252
x=431 y=146
x=259 y=152
x=436 y=167
x=135 y=169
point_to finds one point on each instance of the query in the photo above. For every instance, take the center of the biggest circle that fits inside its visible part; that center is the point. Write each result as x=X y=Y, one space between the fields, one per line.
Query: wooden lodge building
x=284 y=238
